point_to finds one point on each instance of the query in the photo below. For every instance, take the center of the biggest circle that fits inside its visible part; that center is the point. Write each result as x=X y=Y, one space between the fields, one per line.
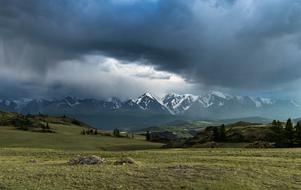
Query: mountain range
x=212 y=105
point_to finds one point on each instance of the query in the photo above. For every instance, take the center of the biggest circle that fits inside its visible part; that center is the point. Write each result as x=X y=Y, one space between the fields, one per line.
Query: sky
x=123 y=48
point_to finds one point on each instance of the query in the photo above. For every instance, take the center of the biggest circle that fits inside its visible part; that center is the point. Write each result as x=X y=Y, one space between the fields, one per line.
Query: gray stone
x=86 y=160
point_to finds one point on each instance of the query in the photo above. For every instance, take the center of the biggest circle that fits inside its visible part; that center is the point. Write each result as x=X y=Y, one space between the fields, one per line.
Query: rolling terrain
x=31 y=159
x=65 y=135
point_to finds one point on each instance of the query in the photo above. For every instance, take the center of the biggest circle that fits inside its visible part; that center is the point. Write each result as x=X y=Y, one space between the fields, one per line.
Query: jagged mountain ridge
x=214 y=104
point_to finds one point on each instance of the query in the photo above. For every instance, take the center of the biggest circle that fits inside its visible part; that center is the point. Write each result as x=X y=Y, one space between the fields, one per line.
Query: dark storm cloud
x=235 y=44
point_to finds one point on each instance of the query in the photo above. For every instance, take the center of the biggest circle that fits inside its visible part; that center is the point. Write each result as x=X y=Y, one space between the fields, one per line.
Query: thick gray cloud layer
x=235 y=44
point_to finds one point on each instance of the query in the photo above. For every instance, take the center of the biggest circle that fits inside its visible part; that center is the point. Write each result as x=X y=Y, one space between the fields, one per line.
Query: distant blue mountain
x=147 y=109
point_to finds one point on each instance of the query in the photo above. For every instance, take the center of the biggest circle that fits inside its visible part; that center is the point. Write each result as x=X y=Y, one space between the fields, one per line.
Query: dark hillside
x=36 y=123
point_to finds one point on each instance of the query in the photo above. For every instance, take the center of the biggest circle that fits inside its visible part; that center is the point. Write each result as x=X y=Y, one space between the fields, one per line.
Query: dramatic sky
x=122 y=48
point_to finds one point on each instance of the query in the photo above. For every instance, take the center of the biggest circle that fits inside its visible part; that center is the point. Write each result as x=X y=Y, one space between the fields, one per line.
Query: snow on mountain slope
x=219 y=94
x=178 y=103
x=295 y=103
x=71 y=101
x=213 y=104
x=218 y=104
x=8 y=105
x=148 y=102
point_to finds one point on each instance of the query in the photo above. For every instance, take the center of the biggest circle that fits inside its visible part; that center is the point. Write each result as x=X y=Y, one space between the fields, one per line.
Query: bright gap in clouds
x=98 y=76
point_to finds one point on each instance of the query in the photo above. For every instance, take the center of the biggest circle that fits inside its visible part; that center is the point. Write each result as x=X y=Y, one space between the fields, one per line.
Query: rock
x=86 y=160
x=126 y=160
x=32 y=161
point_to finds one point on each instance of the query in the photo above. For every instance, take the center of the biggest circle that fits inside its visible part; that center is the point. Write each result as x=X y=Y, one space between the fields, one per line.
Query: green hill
x=65 y=133
x=245 y=133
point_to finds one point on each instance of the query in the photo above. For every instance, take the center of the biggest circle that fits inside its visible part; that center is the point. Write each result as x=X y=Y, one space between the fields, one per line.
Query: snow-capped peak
x=176 y=103
x=116 y=102
x=259 y=102
x=21 y=103
x=148 y=102
x=7 y=102
x=146 y=96
x=183 y=96
x=220 y=94
x=256 y=101
x=71 y=101
x=206 y=105
x=149 y=95
x=267 y=100
x=191 y=96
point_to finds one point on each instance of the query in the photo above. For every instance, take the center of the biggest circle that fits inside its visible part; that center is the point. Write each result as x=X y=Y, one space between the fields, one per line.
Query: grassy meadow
x=32 y=160
x=155 y=169
x=68 y=137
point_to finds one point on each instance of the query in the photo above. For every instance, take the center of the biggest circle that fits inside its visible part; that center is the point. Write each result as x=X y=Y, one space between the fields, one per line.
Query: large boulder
x=86 y=160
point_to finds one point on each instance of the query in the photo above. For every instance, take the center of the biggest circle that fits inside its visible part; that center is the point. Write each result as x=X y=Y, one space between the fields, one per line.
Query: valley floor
x=155 y=169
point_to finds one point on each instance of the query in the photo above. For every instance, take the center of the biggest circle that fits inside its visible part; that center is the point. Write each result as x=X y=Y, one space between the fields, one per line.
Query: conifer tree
x=116 y=133
x=289 y=125
x=147 y=136
x=222 y=133
x=298 y=133
x=274 y=123
x=215 y=135
x=298 y=129
x=279 y=124
x=289 y=131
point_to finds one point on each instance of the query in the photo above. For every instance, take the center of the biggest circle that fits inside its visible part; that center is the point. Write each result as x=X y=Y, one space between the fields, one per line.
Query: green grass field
x=156 y=168
x=69 y=138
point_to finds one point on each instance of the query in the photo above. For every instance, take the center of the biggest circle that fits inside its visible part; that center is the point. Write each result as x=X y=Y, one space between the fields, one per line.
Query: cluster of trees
x=89 y=132
x=219 y=133
x=21 y=123
x=116 y=133
x=26 y=124
x=289 y=135
x=283 y=134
